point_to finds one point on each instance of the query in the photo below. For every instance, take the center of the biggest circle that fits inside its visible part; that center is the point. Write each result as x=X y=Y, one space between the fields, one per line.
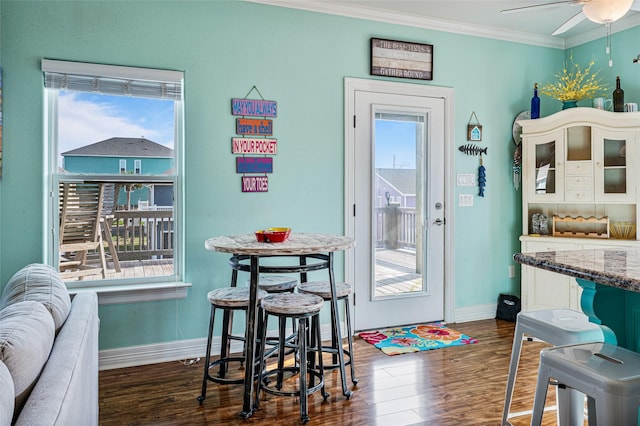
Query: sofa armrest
x=67 y=391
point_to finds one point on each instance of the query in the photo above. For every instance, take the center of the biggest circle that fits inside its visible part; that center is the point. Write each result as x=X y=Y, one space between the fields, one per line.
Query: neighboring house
x=138 y=156
x=399 y=183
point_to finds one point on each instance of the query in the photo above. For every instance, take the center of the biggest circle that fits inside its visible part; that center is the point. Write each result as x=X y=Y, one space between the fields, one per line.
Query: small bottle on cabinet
x=535 y=103
x=618 y=97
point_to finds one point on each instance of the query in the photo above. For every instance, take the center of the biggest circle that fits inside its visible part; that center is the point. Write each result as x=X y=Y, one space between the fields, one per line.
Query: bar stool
x=609 y=375
x=302 y=307
x=556 y=327
x=343 y=290
x=276 y=283
x=228 y=299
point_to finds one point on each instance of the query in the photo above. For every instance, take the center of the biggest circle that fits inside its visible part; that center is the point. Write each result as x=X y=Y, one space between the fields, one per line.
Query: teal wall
x=299 y=59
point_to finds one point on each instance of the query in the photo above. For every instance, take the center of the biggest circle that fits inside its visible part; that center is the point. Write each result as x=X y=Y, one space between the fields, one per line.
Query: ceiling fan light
x=606 y=11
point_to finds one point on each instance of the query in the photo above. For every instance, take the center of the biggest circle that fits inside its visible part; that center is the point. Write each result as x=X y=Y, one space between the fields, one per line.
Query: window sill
x=131 y=293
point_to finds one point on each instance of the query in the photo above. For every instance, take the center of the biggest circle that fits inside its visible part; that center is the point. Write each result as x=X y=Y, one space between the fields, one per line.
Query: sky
x=87 y=118
x=395 y=144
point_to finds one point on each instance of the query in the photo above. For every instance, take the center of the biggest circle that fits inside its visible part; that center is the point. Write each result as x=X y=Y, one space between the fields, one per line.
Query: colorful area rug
x=415 y=338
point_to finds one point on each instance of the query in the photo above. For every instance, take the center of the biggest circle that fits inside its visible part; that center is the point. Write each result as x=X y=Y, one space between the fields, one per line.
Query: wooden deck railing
x=142 y=234
x=396 y=227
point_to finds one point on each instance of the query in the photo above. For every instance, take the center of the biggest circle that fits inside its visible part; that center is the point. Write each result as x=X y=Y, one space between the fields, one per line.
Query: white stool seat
x=609 y=375
x=560 y=326
x=323 y=289
x=556 y=327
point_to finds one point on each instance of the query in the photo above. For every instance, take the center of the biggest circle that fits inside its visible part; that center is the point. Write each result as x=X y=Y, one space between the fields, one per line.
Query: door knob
x=438 y=222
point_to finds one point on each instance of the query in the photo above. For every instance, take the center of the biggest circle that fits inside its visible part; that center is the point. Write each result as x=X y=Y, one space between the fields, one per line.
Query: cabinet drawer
x=579 y=182
x=579 y=167
x=578 y=195
x=547 y=246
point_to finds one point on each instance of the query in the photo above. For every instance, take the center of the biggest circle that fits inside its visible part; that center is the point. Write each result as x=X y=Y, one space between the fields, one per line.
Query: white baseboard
x=133 y=356
x=476 y=313
x=195 y=348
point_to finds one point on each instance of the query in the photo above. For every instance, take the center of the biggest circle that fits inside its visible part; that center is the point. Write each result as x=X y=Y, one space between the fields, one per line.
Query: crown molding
x=616 y=27
x=416 y=21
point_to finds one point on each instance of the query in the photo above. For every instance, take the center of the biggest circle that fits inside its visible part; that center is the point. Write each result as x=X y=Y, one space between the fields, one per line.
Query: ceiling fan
x=599 y=11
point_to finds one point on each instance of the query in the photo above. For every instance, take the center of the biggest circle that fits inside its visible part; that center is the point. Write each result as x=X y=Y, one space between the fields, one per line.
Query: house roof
x=122 y=147
x=403 y=179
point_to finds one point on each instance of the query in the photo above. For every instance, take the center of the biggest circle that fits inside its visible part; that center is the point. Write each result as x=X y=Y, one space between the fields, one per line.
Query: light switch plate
x=465 y=200
x=466 y=179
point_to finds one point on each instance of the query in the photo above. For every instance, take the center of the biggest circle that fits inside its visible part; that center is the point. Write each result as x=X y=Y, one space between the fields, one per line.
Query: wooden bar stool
x=228 y=299
x=556 y=327
x=276 y=283
x=609 y=375
x=343 y=291
x=303 y=308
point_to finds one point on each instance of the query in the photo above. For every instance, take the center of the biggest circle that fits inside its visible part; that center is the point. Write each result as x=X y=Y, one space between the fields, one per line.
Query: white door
x=399 y=204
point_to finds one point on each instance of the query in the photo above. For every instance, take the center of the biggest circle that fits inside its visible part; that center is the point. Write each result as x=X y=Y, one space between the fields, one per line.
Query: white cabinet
x=544 y=181
x=577 y=164
x=545 y=289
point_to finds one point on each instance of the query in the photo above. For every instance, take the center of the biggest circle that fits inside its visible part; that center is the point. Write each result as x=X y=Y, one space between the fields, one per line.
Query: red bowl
x=273 y=235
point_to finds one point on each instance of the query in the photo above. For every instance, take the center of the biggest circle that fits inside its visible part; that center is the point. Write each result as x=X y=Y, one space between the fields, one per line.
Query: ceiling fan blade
x=538 y=6
x=570 y=23
x=635 y=5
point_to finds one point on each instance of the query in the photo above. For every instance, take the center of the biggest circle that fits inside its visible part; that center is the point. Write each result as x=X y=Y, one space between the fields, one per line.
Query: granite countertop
x=298 y=243
x=613 y=267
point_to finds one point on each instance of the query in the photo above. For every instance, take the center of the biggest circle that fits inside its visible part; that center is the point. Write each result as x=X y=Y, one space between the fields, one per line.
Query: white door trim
x=351 y=85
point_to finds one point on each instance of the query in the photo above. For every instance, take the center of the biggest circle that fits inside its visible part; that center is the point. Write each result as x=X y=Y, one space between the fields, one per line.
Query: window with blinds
x=120 y=128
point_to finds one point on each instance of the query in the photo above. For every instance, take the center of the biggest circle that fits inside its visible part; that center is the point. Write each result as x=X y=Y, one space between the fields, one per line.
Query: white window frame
x=137 y=167
x=123 y=166
x=121 y=290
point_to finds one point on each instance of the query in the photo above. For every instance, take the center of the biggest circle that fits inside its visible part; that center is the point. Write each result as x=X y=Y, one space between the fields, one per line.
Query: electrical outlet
x=512 y=271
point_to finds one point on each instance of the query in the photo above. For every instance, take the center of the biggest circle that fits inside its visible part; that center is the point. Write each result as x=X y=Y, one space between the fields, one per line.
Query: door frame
x=352 y=85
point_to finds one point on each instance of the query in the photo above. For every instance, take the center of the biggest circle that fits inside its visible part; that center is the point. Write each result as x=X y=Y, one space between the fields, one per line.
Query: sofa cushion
x=27 y=332
x=40 y=283
x=7 y=396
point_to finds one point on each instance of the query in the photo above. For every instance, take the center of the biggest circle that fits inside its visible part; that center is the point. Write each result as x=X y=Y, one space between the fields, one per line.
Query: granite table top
x=298 y=243
x=614 y=267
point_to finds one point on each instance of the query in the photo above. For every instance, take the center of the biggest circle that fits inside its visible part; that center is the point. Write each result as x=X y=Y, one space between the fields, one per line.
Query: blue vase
x=569 y=104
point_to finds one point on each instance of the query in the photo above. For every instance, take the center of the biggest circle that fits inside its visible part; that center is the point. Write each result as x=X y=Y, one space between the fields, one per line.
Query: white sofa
x=48 y=351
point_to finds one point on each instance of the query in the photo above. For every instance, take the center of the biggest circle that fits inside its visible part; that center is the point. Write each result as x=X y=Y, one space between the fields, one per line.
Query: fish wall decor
x=471 y=149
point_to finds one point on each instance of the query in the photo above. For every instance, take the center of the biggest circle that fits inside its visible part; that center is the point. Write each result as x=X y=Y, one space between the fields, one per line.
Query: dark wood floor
x=462 y=385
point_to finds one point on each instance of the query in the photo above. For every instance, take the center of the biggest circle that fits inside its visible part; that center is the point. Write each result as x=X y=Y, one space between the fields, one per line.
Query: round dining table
x=312 y=251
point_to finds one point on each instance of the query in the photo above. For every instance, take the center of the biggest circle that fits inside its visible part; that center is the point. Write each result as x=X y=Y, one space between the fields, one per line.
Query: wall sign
x=254 y=165
x=254 y=107
x=255 y=184
x=390 y=58
x=257 y=143
x=254 y=146
x=474 y=130
x=251 y=126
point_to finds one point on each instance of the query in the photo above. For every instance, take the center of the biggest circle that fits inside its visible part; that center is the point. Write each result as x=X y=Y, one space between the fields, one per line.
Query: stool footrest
x=224 y=361
x=270 y=389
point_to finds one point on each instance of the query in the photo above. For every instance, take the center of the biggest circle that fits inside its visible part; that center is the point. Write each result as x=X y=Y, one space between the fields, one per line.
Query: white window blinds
x=112 y=79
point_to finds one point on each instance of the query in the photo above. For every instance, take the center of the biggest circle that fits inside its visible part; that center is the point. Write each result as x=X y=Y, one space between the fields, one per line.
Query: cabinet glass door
x=612 y=169
x=545 y=178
